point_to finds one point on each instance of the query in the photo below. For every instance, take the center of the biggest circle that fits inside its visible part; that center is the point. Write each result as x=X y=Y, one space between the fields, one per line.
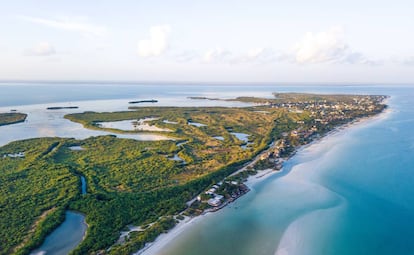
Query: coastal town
x=324 y=116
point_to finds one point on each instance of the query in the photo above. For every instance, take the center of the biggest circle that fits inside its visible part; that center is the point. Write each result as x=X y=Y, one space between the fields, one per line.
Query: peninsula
x=152 y=185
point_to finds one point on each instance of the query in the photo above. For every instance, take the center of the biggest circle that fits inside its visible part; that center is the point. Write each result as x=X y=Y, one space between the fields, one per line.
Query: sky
x=356 y=41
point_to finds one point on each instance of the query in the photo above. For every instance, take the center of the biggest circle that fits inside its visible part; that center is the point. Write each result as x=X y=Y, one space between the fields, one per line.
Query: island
x=204 y=98
x=12 y=118
x=149 y=186
x=143 y=101
x=62 y=107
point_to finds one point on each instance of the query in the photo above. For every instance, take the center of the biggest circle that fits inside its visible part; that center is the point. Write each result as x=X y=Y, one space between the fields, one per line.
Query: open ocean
x=351 y=193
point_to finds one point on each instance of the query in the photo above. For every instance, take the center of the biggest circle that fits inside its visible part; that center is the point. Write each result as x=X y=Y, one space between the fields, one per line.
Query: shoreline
x=159 y=243
x=153 y=248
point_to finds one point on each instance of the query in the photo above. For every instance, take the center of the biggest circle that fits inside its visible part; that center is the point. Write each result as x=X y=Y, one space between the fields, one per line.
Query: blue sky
x=211 y=41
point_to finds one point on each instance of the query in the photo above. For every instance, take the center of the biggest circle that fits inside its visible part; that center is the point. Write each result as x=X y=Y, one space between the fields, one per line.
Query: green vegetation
x=263 y=164
x=12 y=118
x=137 y=240
x=136 y=182
x=34 y=191
x=203 y=153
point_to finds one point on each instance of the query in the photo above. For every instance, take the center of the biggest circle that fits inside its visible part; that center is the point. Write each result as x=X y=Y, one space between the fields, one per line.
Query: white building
x=216 y=201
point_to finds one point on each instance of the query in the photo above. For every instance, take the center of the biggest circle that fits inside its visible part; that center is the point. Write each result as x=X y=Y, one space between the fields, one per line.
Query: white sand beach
x=159 y=244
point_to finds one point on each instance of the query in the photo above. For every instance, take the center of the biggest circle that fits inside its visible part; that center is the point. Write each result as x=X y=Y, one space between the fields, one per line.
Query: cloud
x=321 y=47
x=41 y=49
x=260 y=56
x=216 y=55
x=254 y=53
x=69 y=24
x=224 y=56
x=186 y=56
x=408 y=61
x=328 y=47
x=359 y=58
x=253 y=56
x=157 y=43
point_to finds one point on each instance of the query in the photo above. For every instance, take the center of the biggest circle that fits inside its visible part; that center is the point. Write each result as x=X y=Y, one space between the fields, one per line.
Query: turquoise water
x=351 y=193
x=65 y=238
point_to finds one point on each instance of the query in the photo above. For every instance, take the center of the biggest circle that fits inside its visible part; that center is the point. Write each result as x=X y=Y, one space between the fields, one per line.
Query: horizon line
x=226 y=83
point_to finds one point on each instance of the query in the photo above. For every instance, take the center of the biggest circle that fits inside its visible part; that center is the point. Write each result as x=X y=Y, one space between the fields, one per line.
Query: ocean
x=350 y=193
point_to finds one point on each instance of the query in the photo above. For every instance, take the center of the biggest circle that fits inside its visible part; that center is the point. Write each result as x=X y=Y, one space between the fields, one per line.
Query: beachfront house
x=216 y=201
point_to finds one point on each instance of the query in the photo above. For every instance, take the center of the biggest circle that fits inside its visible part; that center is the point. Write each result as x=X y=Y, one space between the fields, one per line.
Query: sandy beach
x=157 y=246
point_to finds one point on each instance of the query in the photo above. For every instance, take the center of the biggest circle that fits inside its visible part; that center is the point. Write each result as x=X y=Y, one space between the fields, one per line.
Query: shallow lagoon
x=133 y=125
x=50 y=123
x=65 y=238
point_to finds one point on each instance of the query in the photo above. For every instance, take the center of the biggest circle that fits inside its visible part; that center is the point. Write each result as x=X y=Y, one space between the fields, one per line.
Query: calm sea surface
x=350 y=193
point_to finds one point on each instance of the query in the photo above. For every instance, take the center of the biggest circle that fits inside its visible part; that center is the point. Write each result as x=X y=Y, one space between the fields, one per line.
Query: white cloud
x=409 y=61
x=41 y=49
x=359 y=58
x=262 y=56
x=321 y=47
x=328 y=47
x=224 y=56
x=254 y=53
x=253 y=56
x=70 y=24
x=157 y=43
x=314 y=48
x=186 y=56
x=216 y=55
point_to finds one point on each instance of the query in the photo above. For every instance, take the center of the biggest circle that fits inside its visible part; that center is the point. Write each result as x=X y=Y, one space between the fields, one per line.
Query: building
x=216 y=201
x=211 y=191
